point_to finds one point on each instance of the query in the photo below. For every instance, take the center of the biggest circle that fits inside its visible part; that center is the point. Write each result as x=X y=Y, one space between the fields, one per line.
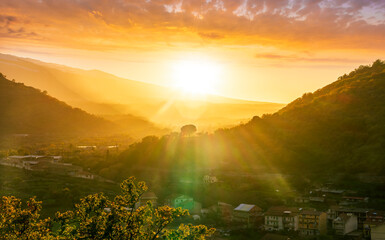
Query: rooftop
x=311 y=212
x=282 y=210
x=246 y=207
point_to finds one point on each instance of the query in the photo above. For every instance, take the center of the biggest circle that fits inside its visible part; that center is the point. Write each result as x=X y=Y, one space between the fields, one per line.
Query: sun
x=197 y=77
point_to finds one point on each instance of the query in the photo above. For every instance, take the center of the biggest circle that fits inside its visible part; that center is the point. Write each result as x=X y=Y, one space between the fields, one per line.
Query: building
x=345 y=223
x=30 y=165
x=209 y=179
x=300 y=199
x=84 y=147
x=312 y=223
x=378 y=232
x=247 y=213
x=316 y=199
x=361 y=213
x=225 y=211
x=29 y=162
x=281 y=218
x=374 y=219
x=353 y=199
x=185 y=202
x=182 y=201
x=84 y=174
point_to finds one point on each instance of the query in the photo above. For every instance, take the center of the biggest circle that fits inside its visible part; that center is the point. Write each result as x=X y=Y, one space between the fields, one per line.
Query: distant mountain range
x=27 y=110
x=105 y=94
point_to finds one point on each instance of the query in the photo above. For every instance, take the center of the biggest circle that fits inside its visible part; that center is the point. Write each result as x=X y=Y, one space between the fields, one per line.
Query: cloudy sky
x=266 y=50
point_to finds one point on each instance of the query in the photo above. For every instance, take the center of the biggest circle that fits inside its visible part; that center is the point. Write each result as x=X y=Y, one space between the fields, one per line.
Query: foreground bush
x=97 y=217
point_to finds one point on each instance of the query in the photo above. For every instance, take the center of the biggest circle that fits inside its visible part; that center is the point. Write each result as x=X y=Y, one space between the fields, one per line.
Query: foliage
x=188 y=130
x=338 y=128
x=19 y=223
x=97 y=217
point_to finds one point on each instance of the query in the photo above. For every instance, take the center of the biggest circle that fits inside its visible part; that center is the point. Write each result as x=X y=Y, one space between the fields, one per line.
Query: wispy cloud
x=298 y=24
x=303 y=58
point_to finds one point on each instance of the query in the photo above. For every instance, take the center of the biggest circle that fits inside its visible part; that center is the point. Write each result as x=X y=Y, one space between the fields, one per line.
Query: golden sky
x=267 y=50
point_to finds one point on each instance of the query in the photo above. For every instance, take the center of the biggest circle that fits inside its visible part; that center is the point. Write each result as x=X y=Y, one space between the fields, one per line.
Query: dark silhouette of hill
x=28 y=110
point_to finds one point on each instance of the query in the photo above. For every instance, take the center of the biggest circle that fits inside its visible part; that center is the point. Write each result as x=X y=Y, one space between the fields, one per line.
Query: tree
x=188 y=130
x=97 y=217
x=19 y=223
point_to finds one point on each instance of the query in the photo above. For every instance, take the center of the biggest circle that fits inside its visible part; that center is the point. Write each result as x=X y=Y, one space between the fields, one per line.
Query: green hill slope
x=339 y=127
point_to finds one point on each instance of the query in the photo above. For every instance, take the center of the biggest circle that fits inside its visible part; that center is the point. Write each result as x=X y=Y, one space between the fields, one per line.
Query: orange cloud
x=291 y=24
x=303 y=58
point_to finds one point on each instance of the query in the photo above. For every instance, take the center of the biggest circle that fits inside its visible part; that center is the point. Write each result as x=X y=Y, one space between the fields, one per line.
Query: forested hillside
x=339 y=128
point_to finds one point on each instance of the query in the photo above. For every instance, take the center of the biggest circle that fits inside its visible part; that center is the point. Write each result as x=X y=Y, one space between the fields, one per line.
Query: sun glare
x=197 y=77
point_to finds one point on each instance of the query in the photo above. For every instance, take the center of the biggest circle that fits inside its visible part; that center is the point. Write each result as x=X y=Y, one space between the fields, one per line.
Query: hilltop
x=337 y=128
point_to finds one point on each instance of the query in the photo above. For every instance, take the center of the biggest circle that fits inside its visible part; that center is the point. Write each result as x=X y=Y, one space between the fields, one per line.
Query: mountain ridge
x=102 y=93
x=27 y=110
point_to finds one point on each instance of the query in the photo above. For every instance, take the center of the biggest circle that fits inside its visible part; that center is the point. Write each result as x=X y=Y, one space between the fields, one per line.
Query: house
x=345 y=223
x=185 y=202
x=25 y=157
x=30 y=165
x=281 y=218
x=300 y=199
x=376 y=216
x=374 y=219
x=147 y=197
x=312 y=223
x=378 y=232
x=246 y=213
x=330 y=191
x=180 y=200
x=11 y=163
x=84 y=147
x=225 y=210
x=29 y=162
x=209 y=179
x=352 y=199
x=361 y=213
